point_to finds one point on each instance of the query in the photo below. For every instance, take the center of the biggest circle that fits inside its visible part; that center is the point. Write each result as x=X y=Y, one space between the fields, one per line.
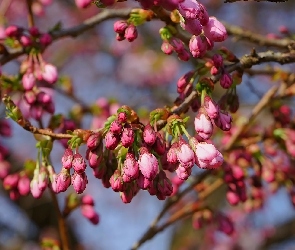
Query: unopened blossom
x=198 y=46
x=184 y=81
x=177 y=45
x=232 y=198
x=191 y=9
x=89 y=213
x=94 y=157
x=83 y=3
x=131 y=168
x=183 y=55
x=182 y=172
x=225 y=225
x=223 y=121
x=28 y=81
x=87 y=200
x=159 y=145
x=192 y=26
x=164 y=185
x=207 y=156
x=49 y=73
x=122 y=117
x=23 y=185
x=169 y=4
x=45 y=39
x=93 y=140
x=127 y=195
x=172 y=153
x=143 y=182
x=131 y=33
x=148 y=165
x=203 y=125
x=79 y=182
x=116 y=182
x=127 y=137
x=100 y=170
x=12 y=31
x=78 y=163
x=10 y=181
x=120 y=26
x=111 y=140
x=63 y=180
x=167 y=48
x=35 y=191
x=217 y=61
x=25 y=41
x=116 y=127
x=215 y=30
x=67 y=158
x=211 y=107
x=185 y=155
x=43 y=178
x=43 y=98
x=226 y=80
x=149 y=135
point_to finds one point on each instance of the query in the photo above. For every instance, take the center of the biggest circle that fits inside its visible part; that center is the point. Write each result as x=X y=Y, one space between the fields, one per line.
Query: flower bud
x=148 y=165
x=35 y=190
x=78 y=163
x=28 y=81
x=79 y=182
x=211 y=107
x=49 y=73
x=159 y=145
x=89 y=213
x=131 y=33
x=120 y=26
x=10 y=181
x=203 y=125
x=93 y=141
x=130 y=169
x=149 y=135
x=116 y=127
x=87 y=200
x=4 y=168
x=182 y=172
x=223 y=121
x=185 y=155
x=116 y=182
x=127 y=137
x=63 y=180
x=226 y=80
x=67 y=159
x=111 y=140
x=207 y=156
x=42 y=179
x=192 y=26
x=167 y=48
x=23 y=185
x=45 y=39
x=143 y=182
x=215 y=30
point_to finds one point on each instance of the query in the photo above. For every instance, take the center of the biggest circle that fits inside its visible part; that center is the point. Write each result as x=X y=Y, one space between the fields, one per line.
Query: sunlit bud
x=203 y=125
x=49 y=73
x=131 y=168
x=111 y=140
x=131 y=33
x=12 y=31
x=43 y=179
x=63 y=180
x=207 y=156
x=28 y=81
x=148 y=165
x=116 y=182
x=116 y=127
x=79 y=182
x=182 y=172
x=149 y=135
x=83 y=3
x=35 y=190
x=67 y=158
x=25 y=41
x=185 y=155
x=167 y=48
x=94 y=140
x=143 y=182
x=127 y=137
x=215 y=30
x=78 y=163
x=211 y=107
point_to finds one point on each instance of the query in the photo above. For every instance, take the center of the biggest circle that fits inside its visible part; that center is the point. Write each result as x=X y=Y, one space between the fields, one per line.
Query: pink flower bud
x=116 y=182
x=28 y=81
x=35 y=191
x=159 y=145
x=111 y=140
x=183 y=173
x=63 y=180
x=198 y=46
x=25 y=41
x=89 y=213
x=30 y=97
x=116 y=127
x=203 y=125
x=225 y=225
x=143 y=182
x=211 y=107
x=238 y=172
x=49 y=73
x=127 y=137
x=127 y=195
x=100 y=170
x=217 y=61
x=223 y=121
x=131 y=168
x=23 y=185
x=226 y=80
x=164 y=185
x=82 y=4
x=34 y=31
x=207 y=156
x=94 y=157
x=172 y=153
x=12 y=31
x=4 y=169
x=67 y=159
x=131 y=33
x=79 y=182
x=185 y=155
x=215 y=30
x=78 y=163
x=45 y=39
x=183 y=55
x=193 y=26
x=120 y=26
x=43 y=98
x=148 y=165
x=43 y=179
x=122 y=117
x=177 y=44
x=167 y=48
x=184 y=81
x=93 y=140
x=10 y=181
x=149 y=135
x=191 y=9
x=87 y=200
x=232 y=198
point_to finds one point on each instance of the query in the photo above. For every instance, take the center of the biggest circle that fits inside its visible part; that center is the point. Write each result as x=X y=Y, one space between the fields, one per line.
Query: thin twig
x=30 y=13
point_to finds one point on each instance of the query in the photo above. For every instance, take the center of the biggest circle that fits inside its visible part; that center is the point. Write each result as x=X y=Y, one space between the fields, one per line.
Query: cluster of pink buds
x=31 y=38
x=78 y=179
x=177 y=46
x=208 y=114
x=125 y=30
x=17 y=184
x=217 y=67
x=87 y=209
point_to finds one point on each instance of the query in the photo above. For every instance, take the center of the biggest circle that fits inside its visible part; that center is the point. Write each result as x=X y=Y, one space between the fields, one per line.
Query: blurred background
x=103 y=71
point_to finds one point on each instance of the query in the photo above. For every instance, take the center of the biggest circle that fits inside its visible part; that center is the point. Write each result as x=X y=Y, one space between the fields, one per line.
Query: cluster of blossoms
x=34 y=69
